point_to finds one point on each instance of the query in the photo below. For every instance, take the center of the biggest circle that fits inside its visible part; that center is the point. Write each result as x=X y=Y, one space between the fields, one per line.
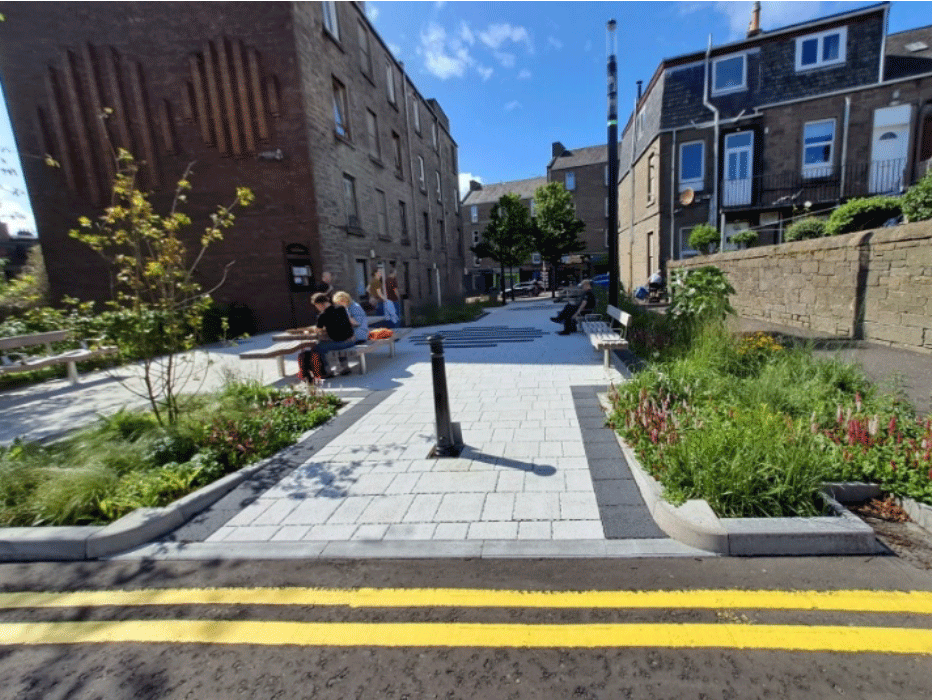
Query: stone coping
x=696 y=525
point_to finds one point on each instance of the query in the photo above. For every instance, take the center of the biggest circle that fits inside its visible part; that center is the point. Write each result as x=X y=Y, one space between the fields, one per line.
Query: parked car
x=532 y=288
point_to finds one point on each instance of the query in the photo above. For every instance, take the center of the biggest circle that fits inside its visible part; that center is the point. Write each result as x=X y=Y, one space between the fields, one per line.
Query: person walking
x=392 y=298
x=376 y=294
x=571 y=313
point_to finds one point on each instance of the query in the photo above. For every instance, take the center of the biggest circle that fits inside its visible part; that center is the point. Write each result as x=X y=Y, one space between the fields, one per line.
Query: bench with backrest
x=18 y=353
x=605 y=338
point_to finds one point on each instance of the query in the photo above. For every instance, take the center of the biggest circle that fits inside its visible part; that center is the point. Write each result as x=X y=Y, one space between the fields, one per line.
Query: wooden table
x=286 y=343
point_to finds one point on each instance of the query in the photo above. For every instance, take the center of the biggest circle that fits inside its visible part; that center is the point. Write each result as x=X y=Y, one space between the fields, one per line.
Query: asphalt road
x=652 y=628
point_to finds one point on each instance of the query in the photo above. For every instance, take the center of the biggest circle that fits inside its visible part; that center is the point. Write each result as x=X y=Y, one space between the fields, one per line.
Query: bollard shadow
x=508 y=462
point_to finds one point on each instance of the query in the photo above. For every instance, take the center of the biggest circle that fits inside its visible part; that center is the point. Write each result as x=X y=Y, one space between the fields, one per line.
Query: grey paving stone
x=606 y=469
x=603 y=450
x=616 y=492
x=629 y=521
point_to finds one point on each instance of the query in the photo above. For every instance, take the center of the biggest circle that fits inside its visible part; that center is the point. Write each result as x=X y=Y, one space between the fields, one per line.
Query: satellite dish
x=687 y=196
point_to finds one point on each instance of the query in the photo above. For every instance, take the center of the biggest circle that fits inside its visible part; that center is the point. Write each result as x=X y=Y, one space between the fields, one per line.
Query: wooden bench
x=362 y=350
x=12 y=362
x=605 y=338
x=278 y=350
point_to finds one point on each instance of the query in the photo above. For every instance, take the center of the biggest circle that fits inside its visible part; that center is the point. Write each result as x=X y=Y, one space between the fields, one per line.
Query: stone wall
x=872 y=285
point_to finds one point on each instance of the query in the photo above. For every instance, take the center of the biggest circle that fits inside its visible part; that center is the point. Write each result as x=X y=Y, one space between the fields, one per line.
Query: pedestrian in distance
x=571 y=313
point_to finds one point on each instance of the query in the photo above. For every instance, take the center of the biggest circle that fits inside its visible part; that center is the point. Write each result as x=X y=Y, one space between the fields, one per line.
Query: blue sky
x=515 y=76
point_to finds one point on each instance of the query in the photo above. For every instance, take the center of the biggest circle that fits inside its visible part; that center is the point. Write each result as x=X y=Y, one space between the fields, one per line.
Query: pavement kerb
x=696 y=525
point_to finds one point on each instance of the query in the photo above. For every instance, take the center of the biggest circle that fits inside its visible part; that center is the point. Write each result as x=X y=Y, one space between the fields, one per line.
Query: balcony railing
x=815 y=185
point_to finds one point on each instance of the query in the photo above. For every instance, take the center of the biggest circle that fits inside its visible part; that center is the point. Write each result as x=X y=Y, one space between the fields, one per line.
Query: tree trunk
x=503 y=284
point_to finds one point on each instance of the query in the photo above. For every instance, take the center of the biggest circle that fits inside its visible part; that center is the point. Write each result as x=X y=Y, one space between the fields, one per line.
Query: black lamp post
x=612 y=167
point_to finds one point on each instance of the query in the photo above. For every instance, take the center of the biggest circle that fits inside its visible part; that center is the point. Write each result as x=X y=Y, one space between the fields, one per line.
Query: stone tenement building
x=301 y=102
x=781 y=124
x=584 y=173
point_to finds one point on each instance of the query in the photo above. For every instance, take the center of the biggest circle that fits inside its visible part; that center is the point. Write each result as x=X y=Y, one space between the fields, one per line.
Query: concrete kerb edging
x=695 y=524
x=132 y=530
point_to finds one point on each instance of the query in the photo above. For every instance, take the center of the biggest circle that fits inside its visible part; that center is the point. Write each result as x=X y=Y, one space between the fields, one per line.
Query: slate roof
x=901 y=61
x=492 y=193
x=577 y=157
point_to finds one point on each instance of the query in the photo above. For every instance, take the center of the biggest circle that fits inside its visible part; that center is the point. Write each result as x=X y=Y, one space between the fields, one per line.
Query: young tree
x=156 y=292
x=507 y=239
x=557 y=229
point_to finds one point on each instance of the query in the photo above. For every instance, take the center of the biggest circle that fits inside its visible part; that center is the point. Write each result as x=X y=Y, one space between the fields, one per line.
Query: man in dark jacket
x=571 y=312
x=335 y=332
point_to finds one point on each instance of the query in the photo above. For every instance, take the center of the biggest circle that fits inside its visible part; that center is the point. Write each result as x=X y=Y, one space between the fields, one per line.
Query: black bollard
x=449 y=440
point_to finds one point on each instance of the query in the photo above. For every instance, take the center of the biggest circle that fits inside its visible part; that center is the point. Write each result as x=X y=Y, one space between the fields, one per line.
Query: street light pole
x=612 y=185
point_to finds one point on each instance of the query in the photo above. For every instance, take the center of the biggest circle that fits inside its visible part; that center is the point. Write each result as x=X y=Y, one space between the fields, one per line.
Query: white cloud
x=372 y=12
x=485 y=72
x=464 y=182
x=439 y=4
x=444 y=57
x=497 y=34
x=511 y=106
x=773 y=15
x=16 y=216
x=506 y=59
x=525 y=74
x=588 y=47
x=554 y=42
x=466 y=34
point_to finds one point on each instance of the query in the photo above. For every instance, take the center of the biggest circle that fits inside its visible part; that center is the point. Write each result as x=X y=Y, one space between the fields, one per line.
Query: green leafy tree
x=556 y=231
x=155 y=289
x=507 y=239
x=917 y=202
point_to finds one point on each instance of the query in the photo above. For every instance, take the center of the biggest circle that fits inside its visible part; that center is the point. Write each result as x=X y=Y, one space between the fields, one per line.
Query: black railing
x=815 y=185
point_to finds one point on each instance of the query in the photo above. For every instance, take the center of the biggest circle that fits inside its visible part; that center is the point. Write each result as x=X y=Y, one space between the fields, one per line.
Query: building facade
x=755 y=133
x=303 y=103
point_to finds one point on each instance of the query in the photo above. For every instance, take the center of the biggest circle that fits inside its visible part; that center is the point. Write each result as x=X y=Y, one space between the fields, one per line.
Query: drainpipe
x=414 y=217
x=634 y=143
x=713 y=208
x=844 y=148
x=673 y=169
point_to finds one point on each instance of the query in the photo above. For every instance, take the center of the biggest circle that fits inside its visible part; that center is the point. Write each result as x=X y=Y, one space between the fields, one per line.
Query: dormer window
x=822 y=49
x=729 y=74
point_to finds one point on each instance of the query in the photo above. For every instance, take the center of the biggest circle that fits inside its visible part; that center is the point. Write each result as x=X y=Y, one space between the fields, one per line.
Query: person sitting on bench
x=336 y=333
x=357 y=316
x=570 y=313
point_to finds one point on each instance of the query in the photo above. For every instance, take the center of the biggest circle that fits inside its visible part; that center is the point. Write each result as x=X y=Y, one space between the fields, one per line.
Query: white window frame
x=341 y=110
x=433 y=133
x=842 y=33
x=350 y=201
x=569 y=181
x=695 y=184
x=390 y=83
x=439 y=186
x=331 y=21
x=684 y=243
x=421 y=179
x=456 y=201
x=474 y=213
x=744 y=74
x=819 y=169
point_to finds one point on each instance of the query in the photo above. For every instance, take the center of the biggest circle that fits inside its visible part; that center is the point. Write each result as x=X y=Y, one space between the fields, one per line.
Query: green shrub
x=704 y=238
x=862 y=214
x=804 y=229
x=917 y=202
x=433 y=315
x=746 y=238
x=699 y=294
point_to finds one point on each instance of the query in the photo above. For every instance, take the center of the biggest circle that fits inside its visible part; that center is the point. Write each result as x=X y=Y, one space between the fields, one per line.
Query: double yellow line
x=616 y=635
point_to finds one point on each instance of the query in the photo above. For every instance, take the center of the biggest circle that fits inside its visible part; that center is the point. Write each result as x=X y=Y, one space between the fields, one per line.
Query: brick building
x=301 y=102
x=753 y=133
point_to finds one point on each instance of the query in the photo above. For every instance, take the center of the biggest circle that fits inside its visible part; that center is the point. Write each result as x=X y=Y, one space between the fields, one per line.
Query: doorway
x=739 y=154
x=889 y=148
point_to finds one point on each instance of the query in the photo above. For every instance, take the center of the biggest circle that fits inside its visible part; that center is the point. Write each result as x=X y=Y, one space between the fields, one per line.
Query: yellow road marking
x=885 y=640
x=917 y=602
